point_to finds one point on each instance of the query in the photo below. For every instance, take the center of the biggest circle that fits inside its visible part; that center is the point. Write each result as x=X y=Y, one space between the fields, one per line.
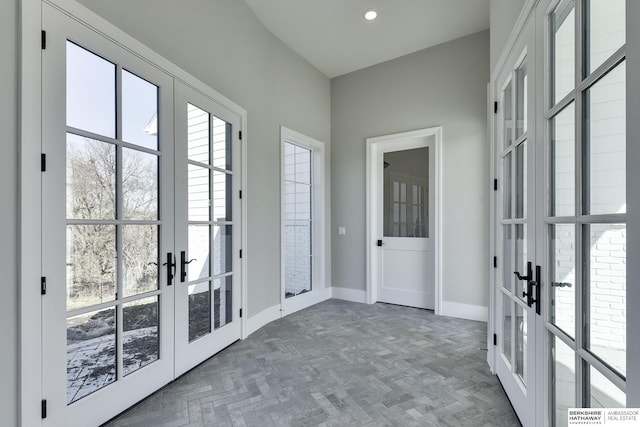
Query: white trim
x=398 y=141
x=465 y=311
x=346 y=294
x=244 y=262
x=318 y=220
x=274 y=312
x=491 y=319
x=303 y=301
x=263 y=318
x=29 y=215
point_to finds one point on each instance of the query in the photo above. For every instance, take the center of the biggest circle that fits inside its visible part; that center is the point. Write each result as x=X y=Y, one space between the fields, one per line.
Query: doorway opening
x=403 y=219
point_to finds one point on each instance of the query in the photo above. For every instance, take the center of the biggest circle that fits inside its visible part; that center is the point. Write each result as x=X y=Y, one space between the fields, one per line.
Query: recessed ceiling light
x=370 y=15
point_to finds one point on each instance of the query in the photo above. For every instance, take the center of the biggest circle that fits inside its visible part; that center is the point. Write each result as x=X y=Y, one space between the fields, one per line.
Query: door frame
x=375 y=147
x=30 y=371
x=319 y=291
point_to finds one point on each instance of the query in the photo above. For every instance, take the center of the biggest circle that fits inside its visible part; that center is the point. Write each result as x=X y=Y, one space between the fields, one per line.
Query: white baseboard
x=276 y=312
x=346 y=294
x=301 y=302
x=464 y=311
x=266 y=316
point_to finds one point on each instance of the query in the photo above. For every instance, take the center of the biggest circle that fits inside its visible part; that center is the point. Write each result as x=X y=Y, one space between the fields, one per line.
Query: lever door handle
x=561 y=284
x=171 y=268
x=183 y=265
x=529 y=275
x=538 y=284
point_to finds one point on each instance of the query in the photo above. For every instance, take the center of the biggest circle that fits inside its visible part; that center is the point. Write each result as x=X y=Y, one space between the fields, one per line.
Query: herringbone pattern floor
x=340 y=364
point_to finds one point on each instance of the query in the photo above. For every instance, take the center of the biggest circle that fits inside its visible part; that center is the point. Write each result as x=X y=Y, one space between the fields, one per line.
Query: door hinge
x=495 y=185
x=240 y=253
x=240 y=312
x=43 y=285
x=495 y=339
x=240 y=194
x=43 y=408
x=240 y=135
x=43 y=39
x=495 y=262
x=43 y=162
x=495 y=107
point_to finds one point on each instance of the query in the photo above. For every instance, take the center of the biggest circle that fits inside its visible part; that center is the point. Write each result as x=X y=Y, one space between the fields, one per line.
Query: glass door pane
x=110 y=180
x=209 y=210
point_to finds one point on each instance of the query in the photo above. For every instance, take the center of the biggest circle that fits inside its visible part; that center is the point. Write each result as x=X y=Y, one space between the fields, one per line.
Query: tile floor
x=340 y=364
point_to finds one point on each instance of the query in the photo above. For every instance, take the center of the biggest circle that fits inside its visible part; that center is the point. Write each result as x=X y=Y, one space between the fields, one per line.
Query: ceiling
x=335 y=38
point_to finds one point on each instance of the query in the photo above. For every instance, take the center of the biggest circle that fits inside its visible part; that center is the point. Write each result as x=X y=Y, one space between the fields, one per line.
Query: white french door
x=583 y=112
x=560 y=156
x=207 y=228
x=517 y=279
x=141 y=229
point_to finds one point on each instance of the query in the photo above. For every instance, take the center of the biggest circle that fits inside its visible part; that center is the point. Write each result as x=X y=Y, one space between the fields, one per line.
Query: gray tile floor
x=340 y=364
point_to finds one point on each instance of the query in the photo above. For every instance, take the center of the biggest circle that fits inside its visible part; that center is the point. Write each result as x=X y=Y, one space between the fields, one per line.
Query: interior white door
x=208 y=232
x=107 y=198
x=407 y=224
x=517 y=280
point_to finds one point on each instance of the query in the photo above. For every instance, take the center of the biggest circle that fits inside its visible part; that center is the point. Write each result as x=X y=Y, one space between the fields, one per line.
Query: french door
x=207 y=227
x=140 y=244
x=561 y=215
x=583 y=106
x=517 y=286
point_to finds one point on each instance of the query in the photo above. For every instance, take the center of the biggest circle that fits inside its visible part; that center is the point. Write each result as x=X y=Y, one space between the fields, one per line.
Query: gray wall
x=503 y=15
x=8 y=212
x=223 y=44
x=444 y=85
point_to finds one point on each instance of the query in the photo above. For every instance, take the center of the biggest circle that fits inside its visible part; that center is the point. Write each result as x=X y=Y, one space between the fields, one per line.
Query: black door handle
x=529 y=275
x=171 y=268
x=561 y=284
x=530 y=292
x=183 y=265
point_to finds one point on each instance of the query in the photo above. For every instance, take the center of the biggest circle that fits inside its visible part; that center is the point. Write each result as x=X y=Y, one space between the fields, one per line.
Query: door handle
x=183 y=265
x=530 y=292
x=529 y=275
x=532 y=295
x=171 y=268
x=561 y=284
x=380 y=243
x=538 y=284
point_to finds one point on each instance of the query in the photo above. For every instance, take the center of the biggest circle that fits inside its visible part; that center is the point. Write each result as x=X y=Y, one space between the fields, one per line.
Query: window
x=302 y=207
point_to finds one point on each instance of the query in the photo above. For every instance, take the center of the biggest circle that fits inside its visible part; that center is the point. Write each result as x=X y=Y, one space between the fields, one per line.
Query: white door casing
x=403 y=271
